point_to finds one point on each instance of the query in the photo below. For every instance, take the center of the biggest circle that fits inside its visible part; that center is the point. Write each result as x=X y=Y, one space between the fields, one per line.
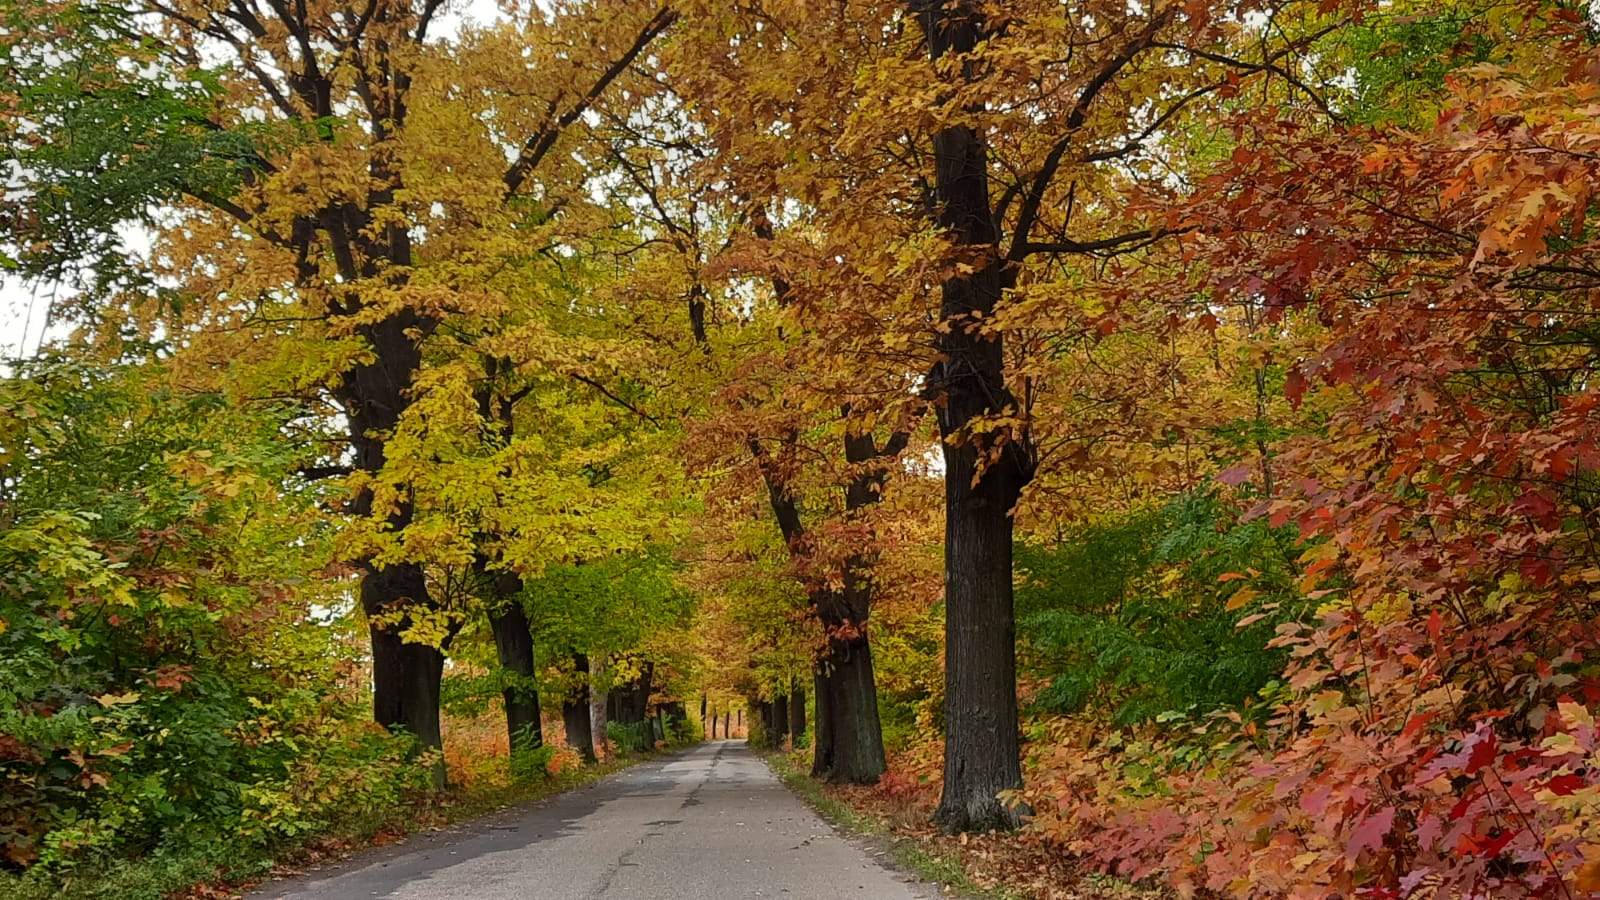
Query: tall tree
x=298 y=192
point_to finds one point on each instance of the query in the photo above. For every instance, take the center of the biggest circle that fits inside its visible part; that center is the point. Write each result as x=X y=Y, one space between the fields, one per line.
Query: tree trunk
x=797 y=712
x=513 y=643
x=855 y=752
x=727 y=724
x=780 y=720
x=822 y=732
x=629 y=704
x=575 y=711
x=982 y=756
x=406 y=676
x=981 y=748
x=597 y=708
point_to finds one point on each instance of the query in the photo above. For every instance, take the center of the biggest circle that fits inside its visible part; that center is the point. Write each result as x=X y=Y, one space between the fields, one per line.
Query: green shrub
x=634 y=737
x=1133 y=617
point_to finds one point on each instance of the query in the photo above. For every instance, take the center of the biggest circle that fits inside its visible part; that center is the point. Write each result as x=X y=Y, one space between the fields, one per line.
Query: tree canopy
x=1167 y=430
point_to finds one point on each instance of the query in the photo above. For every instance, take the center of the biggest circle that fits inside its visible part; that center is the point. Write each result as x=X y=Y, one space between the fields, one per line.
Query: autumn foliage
x=735 y=352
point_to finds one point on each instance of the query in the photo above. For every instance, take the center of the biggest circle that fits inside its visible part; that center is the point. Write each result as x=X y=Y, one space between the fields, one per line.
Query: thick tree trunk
x=822 y=731
x=797 y=712
x=982 y=756
x=513 y=643
x=981 y=747
x=855 y=753
x=575 y=712
x=406 y=676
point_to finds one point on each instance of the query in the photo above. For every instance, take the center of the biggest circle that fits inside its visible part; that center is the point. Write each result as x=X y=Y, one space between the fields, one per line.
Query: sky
x=22 y=315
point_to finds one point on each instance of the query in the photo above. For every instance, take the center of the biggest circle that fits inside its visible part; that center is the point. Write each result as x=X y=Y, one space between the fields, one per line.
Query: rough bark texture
x=513 y=644
x=575 y=712
x=981 y=746
x=849 y=737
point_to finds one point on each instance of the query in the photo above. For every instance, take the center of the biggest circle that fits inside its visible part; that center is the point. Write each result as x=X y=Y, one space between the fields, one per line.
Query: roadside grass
x=981 y=866
x=222 y=870
x=930 y=865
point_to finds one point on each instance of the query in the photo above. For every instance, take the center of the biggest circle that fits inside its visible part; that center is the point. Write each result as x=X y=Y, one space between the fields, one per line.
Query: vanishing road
x=710 y=823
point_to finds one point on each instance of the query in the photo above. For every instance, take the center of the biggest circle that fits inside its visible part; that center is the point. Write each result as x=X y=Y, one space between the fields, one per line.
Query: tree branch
x=537 y=146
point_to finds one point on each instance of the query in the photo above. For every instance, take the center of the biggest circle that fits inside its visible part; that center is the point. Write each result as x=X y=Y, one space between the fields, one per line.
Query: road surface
x=710 y=823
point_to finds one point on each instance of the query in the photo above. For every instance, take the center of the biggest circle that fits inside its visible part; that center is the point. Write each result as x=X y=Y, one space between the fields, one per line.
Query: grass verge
x=218 y=871
x=930 y=865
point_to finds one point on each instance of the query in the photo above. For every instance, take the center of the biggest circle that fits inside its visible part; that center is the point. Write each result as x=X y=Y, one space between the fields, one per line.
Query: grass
x=929 y=865
x=219 y=869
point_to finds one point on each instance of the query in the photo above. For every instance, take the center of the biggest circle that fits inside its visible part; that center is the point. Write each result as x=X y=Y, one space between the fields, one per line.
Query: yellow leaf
x=109 y=700
x=1241 y=597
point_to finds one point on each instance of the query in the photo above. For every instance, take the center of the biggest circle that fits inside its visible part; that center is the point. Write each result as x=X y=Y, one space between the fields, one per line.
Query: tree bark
x=405 y=676
x=513 y=644
x=797 y=712
x=982 y=755
x=780 y=720
x=822 y=732
x=597 y=708
x=630 y=704
x=847 y=712
x=575 y=711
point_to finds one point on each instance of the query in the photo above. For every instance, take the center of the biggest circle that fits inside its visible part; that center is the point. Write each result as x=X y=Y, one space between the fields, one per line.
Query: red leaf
x=1417 y=723
x=1294 y=387
x=1484 y=845
x=1484 y=747
x=1370 y=833
x=1562 y=785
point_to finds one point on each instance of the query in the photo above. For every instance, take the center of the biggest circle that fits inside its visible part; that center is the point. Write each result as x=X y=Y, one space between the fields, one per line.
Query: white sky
x=25 y=309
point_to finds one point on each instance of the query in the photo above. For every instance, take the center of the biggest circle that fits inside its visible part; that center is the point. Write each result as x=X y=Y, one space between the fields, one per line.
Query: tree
x=312 y=198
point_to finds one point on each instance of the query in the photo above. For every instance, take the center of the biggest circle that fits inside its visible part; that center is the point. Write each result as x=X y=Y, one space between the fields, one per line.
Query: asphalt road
x=710 y=822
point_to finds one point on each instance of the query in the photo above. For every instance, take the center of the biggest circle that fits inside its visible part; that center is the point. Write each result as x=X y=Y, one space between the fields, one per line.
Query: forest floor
x=987 y=866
